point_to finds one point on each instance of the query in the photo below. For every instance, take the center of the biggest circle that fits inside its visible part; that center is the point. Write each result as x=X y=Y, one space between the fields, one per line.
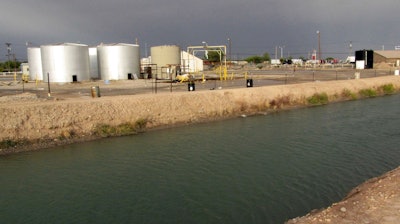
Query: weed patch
x=106 y=130
x=140 y=124
x=279 y=102
x=10 y=143
x=387 y=89
x=318 y=99
x=368 y=93
x=346 y=93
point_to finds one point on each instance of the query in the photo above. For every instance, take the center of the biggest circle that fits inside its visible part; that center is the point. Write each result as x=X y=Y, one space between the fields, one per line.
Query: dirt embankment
x=375 y=201
x=26 y=118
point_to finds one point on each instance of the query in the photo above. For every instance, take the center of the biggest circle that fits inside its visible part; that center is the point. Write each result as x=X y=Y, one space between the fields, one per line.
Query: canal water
x=261 y=169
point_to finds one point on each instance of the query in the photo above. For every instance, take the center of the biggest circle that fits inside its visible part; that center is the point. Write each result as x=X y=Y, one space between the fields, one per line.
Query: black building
x=367 y=56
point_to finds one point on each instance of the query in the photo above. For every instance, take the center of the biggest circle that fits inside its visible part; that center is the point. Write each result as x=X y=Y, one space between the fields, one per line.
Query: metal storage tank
x=94 y=69
x=66 y=62
x=165 y=56
x=35 y=63
x=118 y=61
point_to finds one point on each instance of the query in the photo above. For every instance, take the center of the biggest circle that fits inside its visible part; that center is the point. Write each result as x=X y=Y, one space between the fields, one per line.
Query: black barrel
x=191 y=86
x=249 y=82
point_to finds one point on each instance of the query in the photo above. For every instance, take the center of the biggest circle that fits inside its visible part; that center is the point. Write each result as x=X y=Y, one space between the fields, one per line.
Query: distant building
x=297 y=61
x=351 y=59
x=275 y=62
x=191 y=63
x=391 y=57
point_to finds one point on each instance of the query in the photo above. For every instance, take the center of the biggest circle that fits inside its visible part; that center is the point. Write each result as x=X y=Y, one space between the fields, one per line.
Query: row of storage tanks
x=70 y=62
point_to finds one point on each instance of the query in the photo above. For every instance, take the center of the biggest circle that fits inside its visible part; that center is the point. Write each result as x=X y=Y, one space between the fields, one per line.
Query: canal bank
x=375 y=201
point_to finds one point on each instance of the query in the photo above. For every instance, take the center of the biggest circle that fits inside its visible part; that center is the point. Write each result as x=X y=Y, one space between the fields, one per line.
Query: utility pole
x=281 y=47
x=8 y=50
x=319 y=45
x=15 y=67
x=230 y=49
x=145 y=49
x=350 y=48
x=8 y=55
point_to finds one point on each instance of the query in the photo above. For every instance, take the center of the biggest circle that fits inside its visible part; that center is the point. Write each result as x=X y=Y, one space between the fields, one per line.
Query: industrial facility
x=72 y=62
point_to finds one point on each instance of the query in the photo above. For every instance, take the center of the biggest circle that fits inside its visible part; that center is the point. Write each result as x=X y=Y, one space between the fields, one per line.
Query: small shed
x=24 y=68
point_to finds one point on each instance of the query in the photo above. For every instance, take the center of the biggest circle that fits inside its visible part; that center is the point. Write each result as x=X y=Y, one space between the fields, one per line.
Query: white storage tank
x=66 y=62
x=163 y=57
x=35 y=63
x=118 y=61
x=94 y=70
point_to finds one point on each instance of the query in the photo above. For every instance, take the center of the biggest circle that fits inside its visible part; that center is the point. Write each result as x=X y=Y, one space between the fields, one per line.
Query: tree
x=254 y=59
x=258 y=59
x=214 y=56
x=266 y=57
x=9 y=65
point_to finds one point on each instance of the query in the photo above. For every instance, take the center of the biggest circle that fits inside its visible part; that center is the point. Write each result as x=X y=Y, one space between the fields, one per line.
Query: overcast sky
x=254 y=26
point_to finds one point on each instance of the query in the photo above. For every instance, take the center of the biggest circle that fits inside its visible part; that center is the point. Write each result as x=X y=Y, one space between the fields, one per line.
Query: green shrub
x=387 y=89
x=318 y=99
x=104 y=130
x=125 y=129
x=368 y=93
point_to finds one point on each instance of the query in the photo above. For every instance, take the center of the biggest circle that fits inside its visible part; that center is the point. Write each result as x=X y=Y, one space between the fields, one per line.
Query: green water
x=263 y=169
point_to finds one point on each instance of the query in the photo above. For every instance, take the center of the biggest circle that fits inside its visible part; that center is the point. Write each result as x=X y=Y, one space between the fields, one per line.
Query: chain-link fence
x=209 y=80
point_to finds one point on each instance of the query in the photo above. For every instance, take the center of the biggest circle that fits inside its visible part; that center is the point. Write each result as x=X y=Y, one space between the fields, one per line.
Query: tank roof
x=66 y=44
x=117 y=44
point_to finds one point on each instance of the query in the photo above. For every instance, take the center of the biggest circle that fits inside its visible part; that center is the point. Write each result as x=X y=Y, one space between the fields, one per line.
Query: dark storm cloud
x=254 y=26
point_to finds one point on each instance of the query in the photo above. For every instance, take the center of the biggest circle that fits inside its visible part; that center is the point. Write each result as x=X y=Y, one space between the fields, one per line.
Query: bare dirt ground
x=71 y=114
x=375 y=201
